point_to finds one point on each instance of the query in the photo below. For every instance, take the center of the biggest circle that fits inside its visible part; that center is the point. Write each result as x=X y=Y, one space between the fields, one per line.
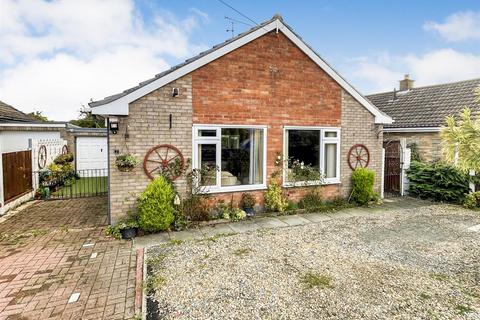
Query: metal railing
x=70 y=184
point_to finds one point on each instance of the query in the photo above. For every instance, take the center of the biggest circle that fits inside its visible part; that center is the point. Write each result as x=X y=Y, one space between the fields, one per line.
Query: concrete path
x=277 y=222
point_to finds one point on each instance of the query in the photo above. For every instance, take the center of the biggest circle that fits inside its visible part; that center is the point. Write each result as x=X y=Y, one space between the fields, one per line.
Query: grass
x=311 y=280
x=461 y=309
x=242 y=252
x=439 y=276
x=84 y=186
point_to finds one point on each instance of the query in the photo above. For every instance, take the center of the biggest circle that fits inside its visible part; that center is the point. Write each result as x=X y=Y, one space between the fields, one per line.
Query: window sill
x=310 y=183
x=253 y=187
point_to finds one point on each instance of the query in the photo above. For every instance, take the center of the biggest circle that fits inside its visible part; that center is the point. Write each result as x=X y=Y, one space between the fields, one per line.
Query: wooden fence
x=17 y=174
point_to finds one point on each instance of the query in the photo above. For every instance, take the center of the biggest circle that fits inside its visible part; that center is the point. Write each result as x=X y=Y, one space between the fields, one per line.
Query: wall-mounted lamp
x=175 y=92
x=113 y=124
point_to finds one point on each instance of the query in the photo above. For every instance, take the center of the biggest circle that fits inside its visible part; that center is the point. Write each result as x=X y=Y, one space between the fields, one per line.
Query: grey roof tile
x=427 y=106
x=9 y=113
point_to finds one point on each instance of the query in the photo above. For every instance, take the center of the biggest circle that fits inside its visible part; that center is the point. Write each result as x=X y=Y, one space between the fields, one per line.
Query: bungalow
x=237 y=107
x=419 y=113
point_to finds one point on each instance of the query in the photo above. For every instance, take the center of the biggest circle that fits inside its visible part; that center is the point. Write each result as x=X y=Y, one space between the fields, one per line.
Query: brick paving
x=46 y=256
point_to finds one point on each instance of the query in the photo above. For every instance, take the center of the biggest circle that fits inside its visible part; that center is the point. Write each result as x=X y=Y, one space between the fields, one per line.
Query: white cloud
x=439 y=66
x=56 y=55
x=460 y=26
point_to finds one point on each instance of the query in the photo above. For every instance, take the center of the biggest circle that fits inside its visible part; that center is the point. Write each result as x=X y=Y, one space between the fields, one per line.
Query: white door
x=91 y=153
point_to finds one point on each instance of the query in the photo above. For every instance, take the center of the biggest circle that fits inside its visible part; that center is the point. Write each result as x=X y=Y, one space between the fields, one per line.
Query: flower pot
x=125 y=168
x=249 y=212
x=129 y=233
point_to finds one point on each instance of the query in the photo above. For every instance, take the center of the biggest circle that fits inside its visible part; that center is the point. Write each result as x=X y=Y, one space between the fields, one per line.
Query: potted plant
x=247 y=203
x=126 y=162
x=128 y=229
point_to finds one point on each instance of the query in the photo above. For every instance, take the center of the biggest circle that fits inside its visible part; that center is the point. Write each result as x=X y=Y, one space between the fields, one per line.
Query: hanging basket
x=125 y=168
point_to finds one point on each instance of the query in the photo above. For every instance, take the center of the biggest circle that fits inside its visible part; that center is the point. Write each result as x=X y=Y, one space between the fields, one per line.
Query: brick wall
x=428 y=143
x=148 y=125
x=358 y=126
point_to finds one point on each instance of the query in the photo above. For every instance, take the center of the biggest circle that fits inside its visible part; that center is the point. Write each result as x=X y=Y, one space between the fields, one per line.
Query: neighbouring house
x=238 y=106
x=28 y=145
x=419 y=113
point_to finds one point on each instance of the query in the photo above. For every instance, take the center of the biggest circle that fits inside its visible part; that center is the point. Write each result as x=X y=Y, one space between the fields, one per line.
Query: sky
x=55 y=56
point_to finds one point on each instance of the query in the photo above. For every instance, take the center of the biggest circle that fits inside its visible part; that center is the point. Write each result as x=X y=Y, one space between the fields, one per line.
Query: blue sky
x=57 y=55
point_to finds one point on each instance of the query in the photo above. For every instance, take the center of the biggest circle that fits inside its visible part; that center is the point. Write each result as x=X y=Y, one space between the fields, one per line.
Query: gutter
x=417 y=129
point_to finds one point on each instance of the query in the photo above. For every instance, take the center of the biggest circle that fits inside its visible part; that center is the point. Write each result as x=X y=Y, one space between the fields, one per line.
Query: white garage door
x=91 y=153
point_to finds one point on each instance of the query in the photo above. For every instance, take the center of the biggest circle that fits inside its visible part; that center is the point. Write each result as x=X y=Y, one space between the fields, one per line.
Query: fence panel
x=17 y=174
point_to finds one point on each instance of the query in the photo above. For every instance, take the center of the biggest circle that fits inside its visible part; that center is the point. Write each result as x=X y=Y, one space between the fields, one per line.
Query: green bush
x=472 y=200
x=437 y=181
x=362 y=186
x=155 y=206
x=274 y=198
x=63 y=158
x=312 y=200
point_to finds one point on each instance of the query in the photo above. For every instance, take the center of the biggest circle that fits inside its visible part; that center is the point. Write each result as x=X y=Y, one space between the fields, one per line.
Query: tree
x=461 y=140
x=38 y=115
x=88 y=120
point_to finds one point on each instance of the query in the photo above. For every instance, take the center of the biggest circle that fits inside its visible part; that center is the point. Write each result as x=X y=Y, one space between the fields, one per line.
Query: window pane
x=207 y=133
x=242 y=156
x=330 y=160
x=304 y=146
x=207 y=154
x=330 y=134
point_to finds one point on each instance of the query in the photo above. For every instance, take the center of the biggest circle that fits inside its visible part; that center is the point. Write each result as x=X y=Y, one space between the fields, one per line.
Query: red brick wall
x=268 y=81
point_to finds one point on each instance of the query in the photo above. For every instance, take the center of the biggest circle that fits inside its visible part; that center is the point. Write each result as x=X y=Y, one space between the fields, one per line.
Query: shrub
x=155 y=206
x=437 y=181
x=362 y=186
x=196 y=208
x=274 y=198
x=247 y=201
x=312 y=200
x=229 y=212
x=472 y=200
x=63 y=159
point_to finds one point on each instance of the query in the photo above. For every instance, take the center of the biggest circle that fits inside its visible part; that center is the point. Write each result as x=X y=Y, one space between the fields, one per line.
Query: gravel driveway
x=420 y=263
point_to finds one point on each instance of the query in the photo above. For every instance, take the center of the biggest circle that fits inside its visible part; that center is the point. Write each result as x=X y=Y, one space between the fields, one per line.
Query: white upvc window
x=232 y=157
x=318 y=147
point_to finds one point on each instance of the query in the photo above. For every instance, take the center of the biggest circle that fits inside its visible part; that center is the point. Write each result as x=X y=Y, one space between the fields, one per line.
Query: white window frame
x=323 y=140
x=217 y=140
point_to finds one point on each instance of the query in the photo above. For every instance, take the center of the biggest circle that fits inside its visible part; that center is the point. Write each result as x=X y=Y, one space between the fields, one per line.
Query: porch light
x=174 y=92
x=113 y=124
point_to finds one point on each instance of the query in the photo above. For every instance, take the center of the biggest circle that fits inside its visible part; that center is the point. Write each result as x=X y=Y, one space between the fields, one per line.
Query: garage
x=91 y=153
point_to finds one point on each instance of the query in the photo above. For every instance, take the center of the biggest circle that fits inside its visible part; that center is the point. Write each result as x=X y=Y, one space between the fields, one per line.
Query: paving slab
x=210 y=231
x=270 y=222
x=294 y=220
x=244 y=226
x=316 y=217
x=185 y=235
x=151 y=239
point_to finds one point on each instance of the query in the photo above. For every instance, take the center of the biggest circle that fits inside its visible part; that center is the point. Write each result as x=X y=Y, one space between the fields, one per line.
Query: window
x=315 y=147
x=231 y=158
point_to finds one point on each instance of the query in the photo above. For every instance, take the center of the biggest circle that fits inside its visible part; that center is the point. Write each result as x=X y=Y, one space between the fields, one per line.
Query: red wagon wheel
x=163 y=159
x=65 y=149
x=42 y=157
x=358 y=156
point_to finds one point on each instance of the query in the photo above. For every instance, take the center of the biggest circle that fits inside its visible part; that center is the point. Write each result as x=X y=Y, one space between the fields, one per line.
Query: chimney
x=406 y=83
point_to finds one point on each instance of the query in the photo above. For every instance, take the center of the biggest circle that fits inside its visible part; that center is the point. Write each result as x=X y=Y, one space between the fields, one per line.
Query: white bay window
x=232 y=158
x=318 y=148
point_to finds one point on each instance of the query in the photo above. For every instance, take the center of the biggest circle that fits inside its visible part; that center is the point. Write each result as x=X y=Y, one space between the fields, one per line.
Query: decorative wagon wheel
x=65 y=149
x=358 y=156
x=42 y=157
x=163 y=159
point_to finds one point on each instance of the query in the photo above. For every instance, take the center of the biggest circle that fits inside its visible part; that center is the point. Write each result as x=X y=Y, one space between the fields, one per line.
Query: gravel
x=419 y=263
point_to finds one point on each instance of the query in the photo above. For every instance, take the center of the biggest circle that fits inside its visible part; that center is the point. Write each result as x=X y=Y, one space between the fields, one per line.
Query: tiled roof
x=9 y=113
x=427 y=106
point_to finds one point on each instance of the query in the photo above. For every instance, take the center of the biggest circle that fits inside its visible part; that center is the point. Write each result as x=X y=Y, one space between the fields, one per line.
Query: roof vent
x=406 y=83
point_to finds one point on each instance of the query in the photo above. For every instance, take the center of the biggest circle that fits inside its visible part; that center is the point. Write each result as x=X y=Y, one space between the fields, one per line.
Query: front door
x=392 y=168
